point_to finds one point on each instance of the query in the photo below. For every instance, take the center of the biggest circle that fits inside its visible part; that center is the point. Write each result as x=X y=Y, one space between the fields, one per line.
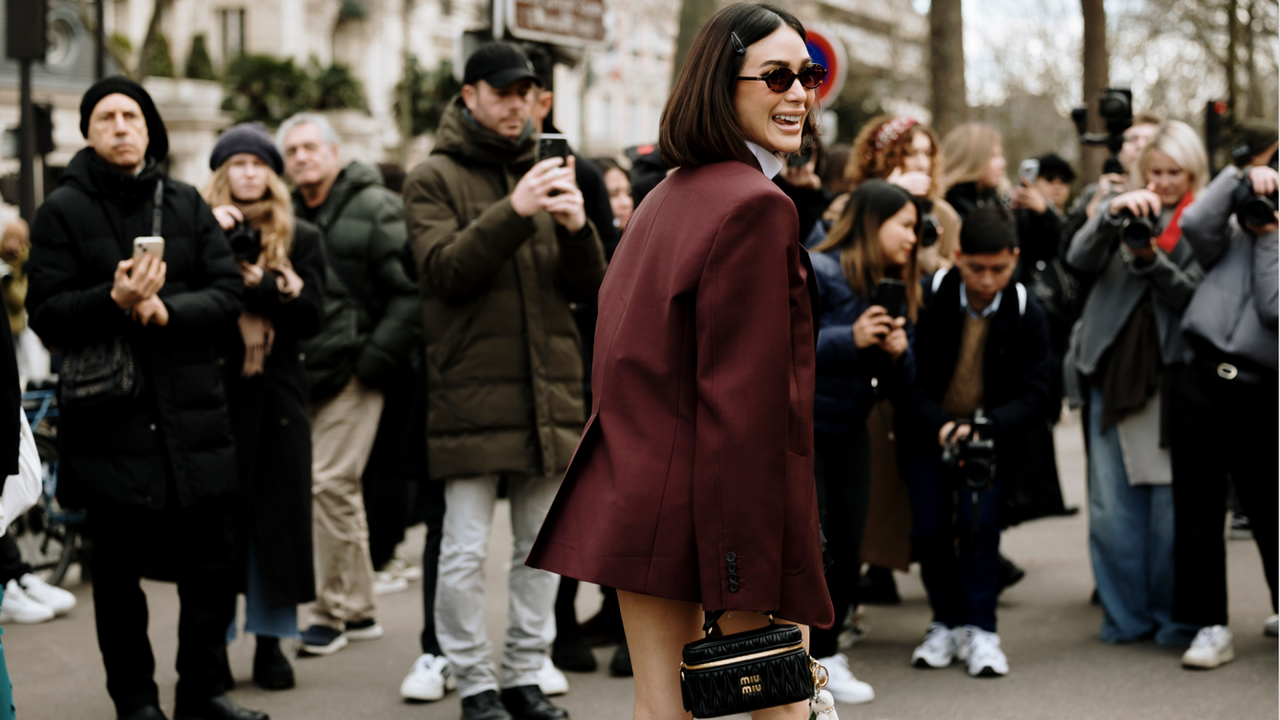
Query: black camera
x=1136 y=230
x=1252 y=209
x=1115 y=105
x=973 y=458
x=929 y=225
x=246 y=242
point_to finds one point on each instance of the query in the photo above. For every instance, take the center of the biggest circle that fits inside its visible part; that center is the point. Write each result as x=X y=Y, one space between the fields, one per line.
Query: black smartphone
x=891 y=295
x=553 y=145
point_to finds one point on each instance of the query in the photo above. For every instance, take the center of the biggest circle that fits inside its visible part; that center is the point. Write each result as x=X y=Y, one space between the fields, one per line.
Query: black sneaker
x=878 y=587
x=146 y=712
x=571 y=652
x=527 y=702
x=322 y=640
x=620 y=666
x=271 y=669
x=484 y=706
x=367 y=629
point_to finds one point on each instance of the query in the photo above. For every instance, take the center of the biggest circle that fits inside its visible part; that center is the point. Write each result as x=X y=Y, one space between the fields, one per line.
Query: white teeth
x=787 y=118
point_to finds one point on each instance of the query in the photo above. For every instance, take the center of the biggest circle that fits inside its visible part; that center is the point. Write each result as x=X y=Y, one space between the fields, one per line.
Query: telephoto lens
x=1136 y=230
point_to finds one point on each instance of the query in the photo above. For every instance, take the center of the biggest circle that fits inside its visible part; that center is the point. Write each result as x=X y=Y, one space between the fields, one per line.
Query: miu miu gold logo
x=750 y=684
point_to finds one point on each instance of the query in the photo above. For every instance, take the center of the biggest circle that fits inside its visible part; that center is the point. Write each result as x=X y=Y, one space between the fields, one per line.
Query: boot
x=271 y=669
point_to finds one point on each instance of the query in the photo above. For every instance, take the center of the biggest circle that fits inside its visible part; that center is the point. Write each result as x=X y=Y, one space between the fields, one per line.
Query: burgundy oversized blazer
x=694 y=479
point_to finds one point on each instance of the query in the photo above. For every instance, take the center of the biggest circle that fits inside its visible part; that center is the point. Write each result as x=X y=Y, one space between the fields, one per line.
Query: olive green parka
x=504 y=371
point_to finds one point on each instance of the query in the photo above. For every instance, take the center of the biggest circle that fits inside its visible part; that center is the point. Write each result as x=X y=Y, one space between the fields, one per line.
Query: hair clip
x=737 y=43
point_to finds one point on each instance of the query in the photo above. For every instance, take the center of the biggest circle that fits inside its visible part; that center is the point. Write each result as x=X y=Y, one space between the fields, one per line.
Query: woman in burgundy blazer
x=692 y=488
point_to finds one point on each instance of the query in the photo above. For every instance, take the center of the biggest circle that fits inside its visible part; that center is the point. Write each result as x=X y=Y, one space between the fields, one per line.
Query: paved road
x=1059 y=669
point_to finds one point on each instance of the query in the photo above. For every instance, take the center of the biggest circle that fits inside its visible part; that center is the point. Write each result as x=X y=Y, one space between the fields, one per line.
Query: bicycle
x=48 y=535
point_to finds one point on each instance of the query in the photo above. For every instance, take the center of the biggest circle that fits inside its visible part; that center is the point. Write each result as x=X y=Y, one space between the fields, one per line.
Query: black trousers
x=1220 y=428
x=430 y=503
x=12 y=566
x=843 y=469
x=126 y=539
x=385 y=482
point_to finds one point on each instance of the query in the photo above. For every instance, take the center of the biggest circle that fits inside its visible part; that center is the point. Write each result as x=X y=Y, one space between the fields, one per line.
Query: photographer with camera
x=1126 y=352
x=1224 y=419
x=981 y=351
x=282 y=263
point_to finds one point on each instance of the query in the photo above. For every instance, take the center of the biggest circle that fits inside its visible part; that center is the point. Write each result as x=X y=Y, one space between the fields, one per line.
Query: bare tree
x=153 y=29
x=1095 y=76
x=946 y=65
x=693 y=15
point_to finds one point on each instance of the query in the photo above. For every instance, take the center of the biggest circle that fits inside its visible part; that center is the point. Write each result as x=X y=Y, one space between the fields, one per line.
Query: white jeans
x=459 y=608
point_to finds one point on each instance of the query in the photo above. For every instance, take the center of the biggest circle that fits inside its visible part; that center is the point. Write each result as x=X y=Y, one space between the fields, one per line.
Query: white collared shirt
x=769 y=162
x=991 y=309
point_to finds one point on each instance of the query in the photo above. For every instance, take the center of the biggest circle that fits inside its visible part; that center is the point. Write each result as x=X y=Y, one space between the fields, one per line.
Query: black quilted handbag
x=746 y=671
x=98 y=374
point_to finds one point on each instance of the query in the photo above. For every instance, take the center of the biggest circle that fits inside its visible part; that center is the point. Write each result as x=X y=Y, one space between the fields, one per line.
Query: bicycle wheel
x=45 y=541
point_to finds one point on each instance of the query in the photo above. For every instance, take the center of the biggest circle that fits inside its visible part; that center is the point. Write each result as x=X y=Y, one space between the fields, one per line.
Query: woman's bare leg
x=657 y=630
x=736 y=622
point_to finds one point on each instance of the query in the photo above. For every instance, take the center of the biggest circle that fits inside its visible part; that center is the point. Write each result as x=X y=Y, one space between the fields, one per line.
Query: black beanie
x=158 y=145
x=249 y=138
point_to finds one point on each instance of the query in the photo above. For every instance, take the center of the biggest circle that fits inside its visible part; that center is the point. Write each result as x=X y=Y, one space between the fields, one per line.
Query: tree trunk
x=406 y=90
x=693 y=15
x=153 y=28
x=1095 y=81
x=1256 y=104
x=1233 y=35
x=946 y=65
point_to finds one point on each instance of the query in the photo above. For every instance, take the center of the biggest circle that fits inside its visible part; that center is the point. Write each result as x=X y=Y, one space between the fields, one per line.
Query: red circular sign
x=828 y=51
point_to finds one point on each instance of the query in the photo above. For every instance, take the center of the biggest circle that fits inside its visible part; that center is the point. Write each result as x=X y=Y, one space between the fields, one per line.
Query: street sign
x=575 y=23
x=826 y=49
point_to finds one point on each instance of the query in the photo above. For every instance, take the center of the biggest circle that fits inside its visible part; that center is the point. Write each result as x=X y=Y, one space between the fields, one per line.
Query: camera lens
x=1258 y=211
x=928 y=230
x=1136 y=230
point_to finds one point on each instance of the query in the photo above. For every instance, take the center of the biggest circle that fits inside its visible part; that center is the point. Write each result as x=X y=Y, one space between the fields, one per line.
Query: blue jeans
x=959 y=565
x=259 y=617
x=7 y=711
x=1131 y=544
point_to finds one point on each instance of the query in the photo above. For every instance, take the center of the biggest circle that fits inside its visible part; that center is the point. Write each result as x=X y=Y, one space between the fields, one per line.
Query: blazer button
x=731 y=558
x=733 y=568
x=733 y=587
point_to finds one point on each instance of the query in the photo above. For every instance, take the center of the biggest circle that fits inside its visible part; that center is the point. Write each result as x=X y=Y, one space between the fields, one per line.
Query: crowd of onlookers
x=319 y=354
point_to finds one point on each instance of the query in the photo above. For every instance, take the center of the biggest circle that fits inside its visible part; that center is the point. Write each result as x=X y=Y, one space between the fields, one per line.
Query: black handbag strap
x=712 y=618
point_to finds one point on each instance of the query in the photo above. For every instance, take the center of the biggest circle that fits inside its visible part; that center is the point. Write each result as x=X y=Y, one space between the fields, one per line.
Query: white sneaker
x=1211 y=648
x=841 y=683
x=1272 y=628
x=55 y=598
x=430 y=678
x=938 y=649
x=981 y=650
x=387 y=582
x=403 y=568
x=19 y=607
x=550 y=680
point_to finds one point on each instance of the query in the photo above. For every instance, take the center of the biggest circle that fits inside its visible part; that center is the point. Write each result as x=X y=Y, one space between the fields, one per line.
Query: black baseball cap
x=1053 y=167
x=499 y=64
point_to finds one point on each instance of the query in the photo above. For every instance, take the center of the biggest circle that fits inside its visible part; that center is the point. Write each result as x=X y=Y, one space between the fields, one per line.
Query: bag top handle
x=712 y=618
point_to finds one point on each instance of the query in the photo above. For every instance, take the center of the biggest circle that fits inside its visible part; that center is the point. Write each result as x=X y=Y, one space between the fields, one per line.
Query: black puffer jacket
x=371 y=327
x=123 y=451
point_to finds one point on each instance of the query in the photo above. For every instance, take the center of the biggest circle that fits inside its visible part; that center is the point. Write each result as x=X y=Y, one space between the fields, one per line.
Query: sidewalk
x=1058 y=667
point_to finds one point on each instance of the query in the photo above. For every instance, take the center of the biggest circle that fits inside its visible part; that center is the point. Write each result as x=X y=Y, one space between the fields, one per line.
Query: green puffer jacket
x=363 y=225
x=504 y=372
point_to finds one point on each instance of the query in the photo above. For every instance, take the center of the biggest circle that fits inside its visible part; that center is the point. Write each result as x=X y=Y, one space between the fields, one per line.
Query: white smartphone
x=152 y=245
x=1029 y=171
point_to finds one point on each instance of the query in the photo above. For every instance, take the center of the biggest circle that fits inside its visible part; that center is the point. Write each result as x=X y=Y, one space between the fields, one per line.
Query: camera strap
x=157 y=211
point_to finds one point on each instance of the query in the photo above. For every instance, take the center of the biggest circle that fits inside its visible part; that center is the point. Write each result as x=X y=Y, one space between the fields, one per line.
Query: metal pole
x=100 y=43
x=27 y=147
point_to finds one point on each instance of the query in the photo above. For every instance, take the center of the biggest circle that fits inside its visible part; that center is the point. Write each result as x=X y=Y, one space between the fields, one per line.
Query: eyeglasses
x=779 y=80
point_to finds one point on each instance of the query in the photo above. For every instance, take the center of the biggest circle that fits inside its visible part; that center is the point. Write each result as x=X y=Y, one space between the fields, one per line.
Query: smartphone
x=1028 y=171
x=153 y=246
x=553 y=145
x=891 y=295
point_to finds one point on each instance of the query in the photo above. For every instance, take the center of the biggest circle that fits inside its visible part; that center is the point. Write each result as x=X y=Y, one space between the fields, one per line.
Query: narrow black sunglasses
x=779 y=79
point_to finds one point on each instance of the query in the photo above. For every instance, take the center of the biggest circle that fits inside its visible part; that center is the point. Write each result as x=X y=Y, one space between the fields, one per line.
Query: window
x=231 y=23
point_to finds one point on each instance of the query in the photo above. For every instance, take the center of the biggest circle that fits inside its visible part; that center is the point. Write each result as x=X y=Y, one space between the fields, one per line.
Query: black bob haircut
x=700 y=121
x=1053 y=167
x=988 y=230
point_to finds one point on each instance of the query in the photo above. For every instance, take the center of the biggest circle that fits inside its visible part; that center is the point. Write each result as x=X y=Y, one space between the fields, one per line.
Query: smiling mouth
x=788 y=122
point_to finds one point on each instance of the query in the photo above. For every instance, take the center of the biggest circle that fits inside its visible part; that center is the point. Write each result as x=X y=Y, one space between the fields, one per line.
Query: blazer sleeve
x=744 y=346
x=1031 y=401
